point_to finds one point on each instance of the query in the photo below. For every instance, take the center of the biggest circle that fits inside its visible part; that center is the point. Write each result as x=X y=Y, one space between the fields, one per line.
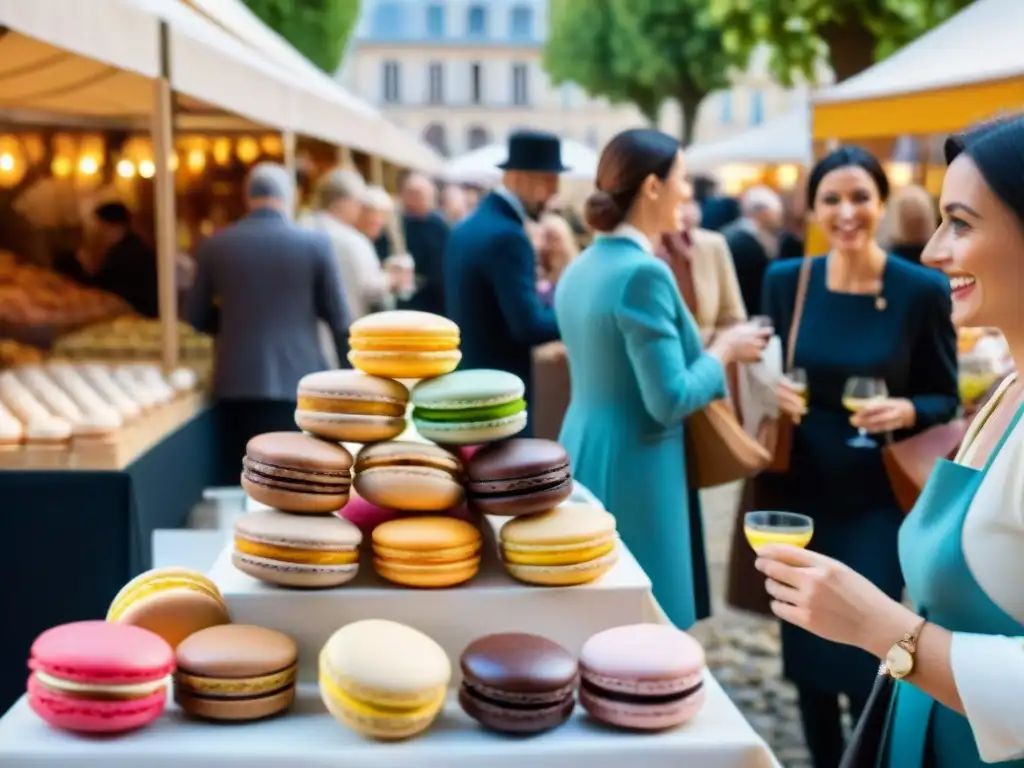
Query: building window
x=435 y=83
x=756 y=108
x=388 y=20
x=725 y=108
x=437 y=137
x=591 y=138
x=435 y=21
x=476 y=83
x=520 y=85
x=392 y=82
x=522 y=23
x=478 y=137
x=476 y=23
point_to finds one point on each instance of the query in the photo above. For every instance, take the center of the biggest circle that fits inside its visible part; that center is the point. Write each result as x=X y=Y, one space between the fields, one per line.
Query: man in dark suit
x=426 y=238
x=754 y=242
x=262 y=284
x=490 y=270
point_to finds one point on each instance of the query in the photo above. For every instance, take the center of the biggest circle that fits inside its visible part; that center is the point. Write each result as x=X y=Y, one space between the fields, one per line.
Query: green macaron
x=469 y=407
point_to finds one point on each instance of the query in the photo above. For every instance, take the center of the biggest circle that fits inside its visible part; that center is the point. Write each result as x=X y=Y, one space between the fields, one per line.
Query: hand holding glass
x=861 y=393
x=797 y=379
x=762 y=528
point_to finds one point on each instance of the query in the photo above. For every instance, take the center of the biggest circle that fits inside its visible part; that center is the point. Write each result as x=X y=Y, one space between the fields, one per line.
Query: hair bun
x=602 y=213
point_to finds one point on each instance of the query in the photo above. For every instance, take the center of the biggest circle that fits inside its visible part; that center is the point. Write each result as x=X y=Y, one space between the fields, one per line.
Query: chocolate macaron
x=236 y=672
x=297 y=473
x=521 y=476
x=517 y=683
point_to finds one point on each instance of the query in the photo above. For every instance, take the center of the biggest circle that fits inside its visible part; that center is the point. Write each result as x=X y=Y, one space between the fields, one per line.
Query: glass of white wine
x=797 y=379
x=858 y=394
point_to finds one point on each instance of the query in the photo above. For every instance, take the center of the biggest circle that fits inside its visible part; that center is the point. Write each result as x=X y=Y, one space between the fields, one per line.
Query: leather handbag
x=908 y=463
x=719 y=450
x=777 y=434
x=864 y=749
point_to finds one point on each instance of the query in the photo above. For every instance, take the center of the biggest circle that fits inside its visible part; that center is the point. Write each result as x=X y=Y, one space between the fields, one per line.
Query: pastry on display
x=13 y=354
x=68 y=378
x=296 y=550
x=172 y=602
x=89 y=419
x=42 y=428
x=11 y=430
x=409 y=477
x=297 y=473
x=522 y=476
x=470 y=407
x=34 y=296
x=427 y=552
x=96 y=677
x=183 y=380
x=383 y=679
x=351 y=407
x=645 y=677
x=518 y=683
x=150 y=377
x=236 y=673
x=106 y=386
x=404 y=344
x=569 y=545
x=133 y=338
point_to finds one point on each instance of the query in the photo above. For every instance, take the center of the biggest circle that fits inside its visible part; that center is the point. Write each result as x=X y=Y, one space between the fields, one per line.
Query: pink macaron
x=642 y=676
x=99 y=677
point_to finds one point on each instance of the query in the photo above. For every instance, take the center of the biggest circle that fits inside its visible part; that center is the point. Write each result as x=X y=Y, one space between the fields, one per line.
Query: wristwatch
x=899 y=660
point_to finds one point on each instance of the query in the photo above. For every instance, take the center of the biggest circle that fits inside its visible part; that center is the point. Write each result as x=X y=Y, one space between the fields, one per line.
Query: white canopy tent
x=380 y=136
x=785 y=139
x=967 y=69
x=481 y=165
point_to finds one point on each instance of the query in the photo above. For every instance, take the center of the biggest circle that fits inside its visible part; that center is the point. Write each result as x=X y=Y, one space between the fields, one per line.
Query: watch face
x=899 y=661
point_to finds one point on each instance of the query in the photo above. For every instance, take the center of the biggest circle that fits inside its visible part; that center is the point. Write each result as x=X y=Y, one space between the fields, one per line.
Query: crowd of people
x=660 y=294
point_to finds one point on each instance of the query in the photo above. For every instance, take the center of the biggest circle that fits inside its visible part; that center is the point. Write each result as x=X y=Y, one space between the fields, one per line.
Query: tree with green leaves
x=319 y=29
x=850 y=35
x=641 y=52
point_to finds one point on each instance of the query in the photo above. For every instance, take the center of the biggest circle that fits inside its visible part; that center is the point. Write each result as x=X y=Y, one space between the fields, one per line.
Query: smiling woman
x=867 y=315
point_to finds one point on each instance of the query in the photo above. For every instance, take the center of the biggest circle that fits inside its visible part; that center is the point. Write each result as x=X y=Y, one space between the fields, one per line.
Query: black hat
x=534 y=151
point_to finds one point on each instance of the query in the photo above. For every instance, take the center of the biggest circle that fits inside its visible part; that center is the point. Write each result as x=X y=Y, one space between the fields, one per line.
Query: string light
x=147 y=169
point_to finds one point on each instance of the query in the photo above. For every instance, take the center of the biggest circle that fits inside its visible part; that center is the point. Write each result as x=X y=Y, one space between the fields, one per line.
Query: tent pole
x=345 y=158
x=166 y=220
x=291 y=160
x=376 y=171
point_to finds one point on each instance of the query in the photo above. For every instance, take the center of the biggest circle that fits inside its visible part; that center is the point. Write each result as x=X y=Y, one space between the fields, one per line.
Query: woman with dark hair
x=869 y=316
x=637 y=363
x=958 y=654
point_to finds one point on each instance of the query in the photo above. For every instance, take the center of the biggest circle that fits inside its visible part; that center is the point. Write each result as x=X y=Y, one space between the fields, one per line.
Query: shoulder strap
x=803 y=280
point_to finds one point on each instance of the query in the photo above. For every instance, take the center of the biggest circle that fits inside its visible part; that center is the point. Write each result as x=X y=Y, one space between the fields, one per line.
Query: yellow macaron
x=427 y=552
x=383 y=679
x=404 y=344
x=568 y=545
x=171 y=602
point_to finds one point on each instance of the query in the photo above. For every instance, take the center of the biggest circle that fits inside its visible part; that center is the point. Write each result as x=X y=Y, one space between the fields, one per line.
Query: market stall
x=772 y=153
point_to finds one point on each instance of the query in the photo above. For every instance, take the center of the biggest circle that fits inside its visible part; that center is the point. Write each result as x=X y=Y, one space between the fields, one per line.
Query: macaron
x=383 y=679
x=469 y=407
x=296 y=550
x=642 y=676
x=297 y=473
x=427 y=551
x=172 y=602
x=236 y=672
x=574 y=544
x=408 y=476
x=349 y=406
x=517 y=683
x=97 y=677
x=404 y=344
x=522 y=476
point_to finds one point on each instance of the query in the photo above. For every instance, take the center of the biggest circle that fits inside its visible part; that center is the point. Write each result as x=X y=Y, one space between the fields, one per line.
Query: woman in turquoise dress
x=636 y=361
x=958 y=654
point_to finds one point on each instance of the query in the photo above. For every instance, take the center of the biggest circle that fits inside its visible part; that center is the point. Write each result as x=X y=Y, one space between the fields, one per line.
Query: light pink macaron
x=642 y=676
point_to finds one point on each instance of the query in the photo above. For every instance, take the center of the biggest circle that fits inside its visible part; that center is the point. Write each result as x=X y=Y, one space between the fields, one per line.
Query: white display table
x=307 y=737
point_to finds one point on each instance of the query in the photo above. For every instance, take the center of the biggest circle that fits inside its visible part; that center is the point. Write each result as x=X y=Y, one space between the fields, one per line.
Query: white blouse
x=630 y=232
x=989 y=669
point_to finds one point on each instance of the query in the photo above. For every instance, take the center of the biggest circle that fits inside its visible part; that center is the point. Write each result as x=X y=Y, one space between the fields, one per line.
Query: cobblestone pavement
x=743 y=650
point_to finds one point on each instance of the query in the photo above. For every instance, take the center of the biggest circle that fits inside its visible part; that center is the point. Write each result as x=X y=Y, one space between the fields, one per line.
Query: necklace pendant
x=880 y=303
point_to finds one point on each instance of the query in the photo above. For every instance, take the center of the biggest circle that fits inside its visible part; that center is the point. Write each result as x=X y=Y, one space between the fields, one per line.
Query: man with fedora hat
x=490 y=265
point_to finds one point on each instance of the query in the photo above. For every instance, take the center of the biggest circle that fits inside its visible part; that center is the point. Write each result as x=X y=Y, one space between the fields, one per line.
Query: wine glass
x=797 y=379
x=859 y=393
x=762 y=528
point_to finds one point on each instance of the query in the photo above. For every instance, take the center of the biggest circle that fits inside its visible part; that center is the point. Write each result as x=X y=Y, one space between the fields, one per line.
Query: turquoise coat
x=638 y=370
